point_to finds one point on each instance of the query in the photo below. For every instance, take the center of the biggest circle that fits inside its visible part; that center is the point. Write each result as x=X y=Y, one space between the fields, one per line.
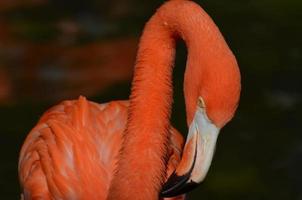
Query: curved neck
x=142 y=163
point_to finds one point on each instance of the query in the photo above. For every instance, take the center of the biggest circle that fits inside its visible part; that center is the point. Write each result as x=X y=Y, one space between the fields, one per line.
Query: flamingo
x=125 y=150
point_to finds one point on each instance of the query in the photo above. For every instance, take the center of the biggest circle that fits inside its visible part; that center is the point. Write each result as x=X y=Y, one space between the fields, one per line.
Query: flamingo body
x=72 y=152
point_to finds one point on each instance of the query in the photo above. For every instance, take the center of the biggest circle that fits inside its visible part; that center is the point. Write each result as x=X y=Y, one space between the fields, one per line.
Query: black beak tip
x=177 y=185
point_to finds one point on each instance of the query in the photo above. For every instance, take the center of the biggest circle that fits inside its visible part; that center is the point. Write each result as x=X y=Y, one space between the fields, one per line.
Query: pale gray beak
x=197 y=154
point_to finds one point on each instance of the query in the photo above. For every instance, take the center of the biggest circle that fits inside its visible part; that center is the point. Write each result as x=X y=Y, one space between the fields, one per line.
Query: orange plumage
x=72 y=151
x=123 y=151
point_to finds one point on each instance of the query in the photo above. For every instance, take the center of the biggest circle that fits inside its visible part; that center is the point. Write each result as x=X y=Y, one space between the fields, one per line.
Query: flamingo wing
x=72 y=152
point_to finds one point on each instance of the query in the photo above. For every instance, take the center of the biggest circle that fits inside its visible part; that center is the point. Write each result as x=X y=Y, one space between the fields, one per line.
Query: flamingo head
x=211 y=98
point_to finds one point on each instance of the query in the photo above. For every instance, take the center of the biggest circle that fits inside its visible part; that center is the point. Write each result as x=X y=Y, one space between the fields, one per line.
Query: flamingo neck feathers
x=141 y=167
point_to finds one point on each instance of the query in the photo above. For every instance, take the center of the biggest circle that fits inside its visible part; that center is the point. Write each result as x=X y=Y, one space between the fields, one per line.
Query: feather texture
x=72 y=152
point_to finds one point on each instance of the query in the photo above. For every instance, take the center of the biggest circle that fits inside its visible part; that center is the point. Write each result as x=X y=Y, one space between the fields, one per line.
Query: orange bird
x=127 y=150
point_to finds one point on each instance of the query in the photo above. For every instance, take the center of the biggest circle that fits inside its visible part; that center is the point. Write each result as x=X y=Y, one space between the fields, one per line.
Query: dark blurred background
x=51 y=50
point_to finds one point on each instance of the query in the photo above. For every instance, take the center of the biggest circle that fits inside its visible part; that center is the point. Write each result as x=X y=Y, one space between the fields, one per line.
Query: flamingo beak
x=196 y=157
